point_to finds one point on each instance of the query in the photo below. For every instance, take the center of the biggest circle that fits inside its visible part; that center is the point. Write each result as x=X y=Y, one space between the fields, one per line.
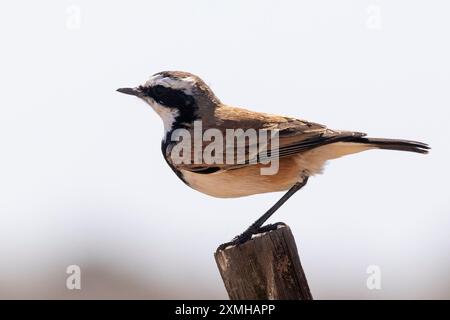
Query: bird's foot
x=240 y=239
x=271 y=227
x=248 y=234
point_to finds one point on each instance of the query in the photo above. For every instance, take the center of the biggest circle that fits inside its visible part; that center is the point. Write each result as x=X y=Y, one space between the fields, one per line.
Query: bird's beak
x=133 y=91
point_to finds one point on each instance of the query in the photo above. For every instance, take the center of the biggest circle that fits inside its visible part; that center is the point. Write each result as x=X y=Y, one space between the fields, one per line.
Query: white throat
x=167 y=115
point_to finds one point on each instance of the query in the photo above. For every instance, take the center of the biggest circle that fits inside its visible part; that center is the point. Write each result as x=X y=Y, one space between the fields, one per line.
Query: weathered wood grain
x=265 y=267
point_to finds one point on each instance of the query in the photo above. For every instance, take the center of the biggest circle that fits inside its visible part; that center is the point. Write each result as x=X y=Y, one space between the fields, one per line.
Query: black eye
x=160 y=92
x=169 y=97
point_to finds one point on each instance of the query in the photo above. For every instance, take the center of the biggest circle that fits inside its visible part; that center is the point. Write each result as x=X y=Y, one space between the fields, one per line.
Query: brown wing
x=295 y=136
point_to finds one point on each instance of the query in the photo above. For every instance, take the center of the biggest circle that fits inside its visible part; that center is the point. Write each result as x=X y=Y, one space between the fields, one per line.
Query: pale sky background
x=83 y=181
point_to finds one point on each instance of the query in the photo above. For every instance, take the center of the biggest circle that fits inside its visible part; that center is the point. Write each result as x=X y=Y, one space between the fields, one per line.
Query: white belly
x=248 y=180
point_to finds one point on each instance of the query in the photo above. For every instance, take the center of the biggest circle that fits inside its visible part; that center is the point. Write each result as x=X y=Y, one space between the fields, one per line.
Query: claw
x=247 y=235
x=271 y=227
x=240 y=239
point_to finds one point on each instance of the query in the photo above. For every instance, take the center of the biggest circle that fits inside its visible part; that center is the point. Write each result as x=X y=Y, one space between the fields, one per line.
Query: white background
x=82 y=179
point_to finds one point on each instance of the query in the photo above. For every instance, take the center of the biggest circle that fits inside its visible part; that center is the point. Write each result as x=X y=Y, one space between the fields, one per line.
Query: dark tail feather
x=394 y=144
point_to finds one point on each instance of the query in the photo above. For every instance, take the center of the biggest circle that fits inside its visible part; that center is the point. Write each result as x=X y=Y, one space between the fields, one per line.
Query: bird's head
x=178 y=97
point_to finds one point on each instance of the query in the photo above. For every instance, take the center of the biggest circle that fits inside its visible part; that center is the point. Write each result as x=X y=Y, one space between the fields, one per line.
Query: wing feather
x=295 y=136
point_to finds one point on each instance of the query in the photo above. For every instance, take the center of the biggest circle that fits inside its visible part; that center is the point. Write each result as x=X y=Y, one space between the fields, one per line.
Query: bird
x=183 y=99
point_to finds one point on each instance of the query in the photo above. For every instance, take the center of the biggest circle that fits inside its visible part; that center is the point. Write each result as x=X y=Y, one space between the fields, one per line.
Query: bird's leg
x=256 y=227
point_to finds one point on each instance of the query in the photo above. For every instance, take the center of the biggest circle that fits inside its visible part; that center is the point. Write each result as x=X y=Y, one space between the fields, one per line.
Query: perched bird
x=181 y=99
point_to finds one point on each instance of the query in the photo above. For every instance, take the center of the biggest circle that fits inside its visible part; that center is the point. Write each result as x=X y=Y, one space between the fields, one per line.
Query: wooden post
x=265 y=267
